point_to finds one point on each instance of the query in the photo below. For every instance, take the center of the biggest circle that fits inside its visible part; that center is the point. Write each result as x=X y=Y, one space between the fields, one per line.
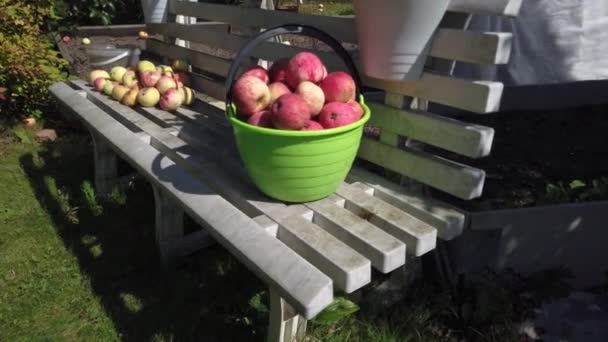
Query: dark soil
x=531 y=149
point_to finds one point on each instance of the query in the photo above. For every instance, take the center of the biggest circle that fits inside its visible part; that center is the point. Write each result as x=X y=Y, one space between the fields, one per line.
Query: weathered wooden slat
x=419 y=237
x=470 y=140
x=209 y=63
x=448 y=221
x=341 y=27
x=493 y=7
x=456 y=179
x=474 y=96
x=472 y=47
x=385 y=252
x=304 y=286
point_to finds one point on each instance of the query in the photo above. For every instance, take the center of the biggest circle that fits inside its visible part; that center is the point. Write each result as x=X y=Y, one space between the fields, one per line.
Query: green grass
x=73 y=267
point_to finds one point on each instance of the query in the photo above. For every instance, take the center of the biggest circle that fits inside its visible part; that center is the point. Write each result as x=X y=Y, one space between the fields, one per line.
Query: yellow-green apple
x=100 y=82
x=143 y=35
x=117 y=73
x=119 y=92
x=187 y=95
x=86 y=41
x=95 y=74
x=148 y=97
x=150 y=78
x=130 y=98
x=251 y=95
x=313 y=95
x=143 y=66
x=304 y=66
x=165 y=83
x=129 y=79
x=179 y=65
x=278 y=71
x=338 y=86
x=336 y=114
x=171 y=100
x=261 y=119
x=165 y=70
x=277 y=89
x=290 y=112
x=256 y=71
x=108 y=87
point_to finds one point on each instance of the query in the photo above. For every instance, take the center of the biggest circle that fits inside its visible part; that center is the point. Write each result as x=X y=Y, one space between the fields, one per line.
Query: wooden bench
x=303 y=252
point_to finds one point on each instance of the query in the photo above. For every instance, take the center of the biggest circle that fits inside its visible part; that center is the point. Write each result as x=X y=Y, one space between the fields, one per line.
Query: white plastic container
x=107 y=56
x=155 y=11
x=393 y=33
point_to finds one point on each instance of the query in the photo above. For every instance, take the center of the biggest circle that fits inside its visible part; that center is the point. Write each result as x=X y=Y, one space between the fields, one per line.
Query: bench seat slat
x=306 y=288
x=470 y=140
x=456 y=179
x=417 y=235
x=448 y=221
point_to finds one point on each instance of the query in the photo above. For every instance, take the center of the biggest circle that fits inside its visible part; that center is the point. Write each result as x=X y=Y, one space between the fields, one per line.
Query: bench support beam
x=169 y=226
x=105 y=167
x=285 y=324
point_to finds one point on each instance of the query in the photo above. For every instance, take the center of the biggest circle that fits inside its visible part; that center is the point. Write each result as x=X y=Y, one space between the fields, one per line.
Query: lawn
x=74 y=268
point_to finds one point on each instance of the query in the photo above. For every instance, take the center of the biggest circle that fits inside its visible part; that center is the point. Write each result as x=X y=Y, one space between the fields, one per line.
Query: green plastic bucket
x=296 y=166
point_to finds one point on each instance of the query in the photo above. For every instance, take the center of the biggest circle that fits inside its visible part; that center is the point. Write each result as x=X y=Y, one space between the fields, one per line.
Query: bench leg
x=105 y=167
x=169 y=226
x=285 y=324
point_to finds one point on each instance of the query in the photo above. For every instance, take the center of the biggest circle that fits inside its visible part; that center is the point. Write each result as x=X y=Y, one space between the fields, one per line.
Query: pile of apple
x=296 y=94
x=146 y=84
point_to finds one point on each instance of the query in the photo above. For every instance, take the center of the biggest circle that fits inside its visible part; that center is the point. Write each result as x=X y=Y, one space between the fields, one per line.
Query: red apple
x=251 y=95
x=338 y=86
x=99 y=83
x=278 y=70
x=29 y=122
x=313 y=126
x=256 y=71
x=66 y=39
x=290 y=112
x=337 y=114
x=182 y=78
x=171 y=100
x=305 y=66
x=313 y=95
x=277 y=89
x=150 y=78
x=356 y=107
x=261 y=119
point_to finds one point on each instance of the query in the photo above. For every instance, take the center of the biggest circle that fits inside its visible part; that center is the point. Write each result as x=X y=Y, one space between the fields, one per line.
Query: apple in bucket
x=337 y=114
x=305 y=66
x=278 y=70
x=261 y=119
x=313 y=95
x=290 y=112
x=313 y=126
x=277 y=89
x=338 y=86
x=258 y=72
x=251 y=95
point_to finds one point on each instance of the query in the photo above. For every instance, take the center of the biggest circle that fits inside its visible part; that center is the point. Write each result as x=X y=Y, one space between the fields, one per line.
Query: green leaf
x=339 y=309
x=575 y=184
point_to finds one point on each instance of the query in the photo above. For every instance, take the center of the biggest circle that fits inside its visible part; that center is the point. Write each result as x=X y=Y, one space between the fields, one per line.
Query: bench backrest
x=403 y=131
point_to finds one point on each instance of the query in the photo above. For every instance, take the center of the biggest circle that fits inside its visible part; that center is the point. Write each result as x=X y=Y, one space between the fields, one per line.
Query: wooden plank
x=340 y=27
x=385 y=252
x=209 y=63
x=418 y=236
x=456 y=179
x=110 y=30
x=492 y=7
x=305 y=287
x=472 y=47
x=474 y=96
x=448 y=221
x=470 y=140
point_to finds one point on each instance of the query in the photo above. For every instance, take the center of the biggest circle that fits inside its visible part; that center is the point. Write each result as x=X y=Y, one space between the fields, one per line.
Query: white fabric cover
x=555 y=41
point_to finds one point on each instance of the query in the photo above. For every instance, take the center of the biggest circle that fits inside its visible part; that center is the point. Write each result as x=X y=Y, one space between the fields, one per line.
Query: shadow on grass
x=207 y=296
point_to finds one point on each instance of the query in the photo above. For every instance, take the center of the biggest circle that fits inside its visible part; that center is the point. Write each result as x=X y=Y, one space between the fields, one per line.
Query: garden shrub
x=29 y=63
x=96 y=12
